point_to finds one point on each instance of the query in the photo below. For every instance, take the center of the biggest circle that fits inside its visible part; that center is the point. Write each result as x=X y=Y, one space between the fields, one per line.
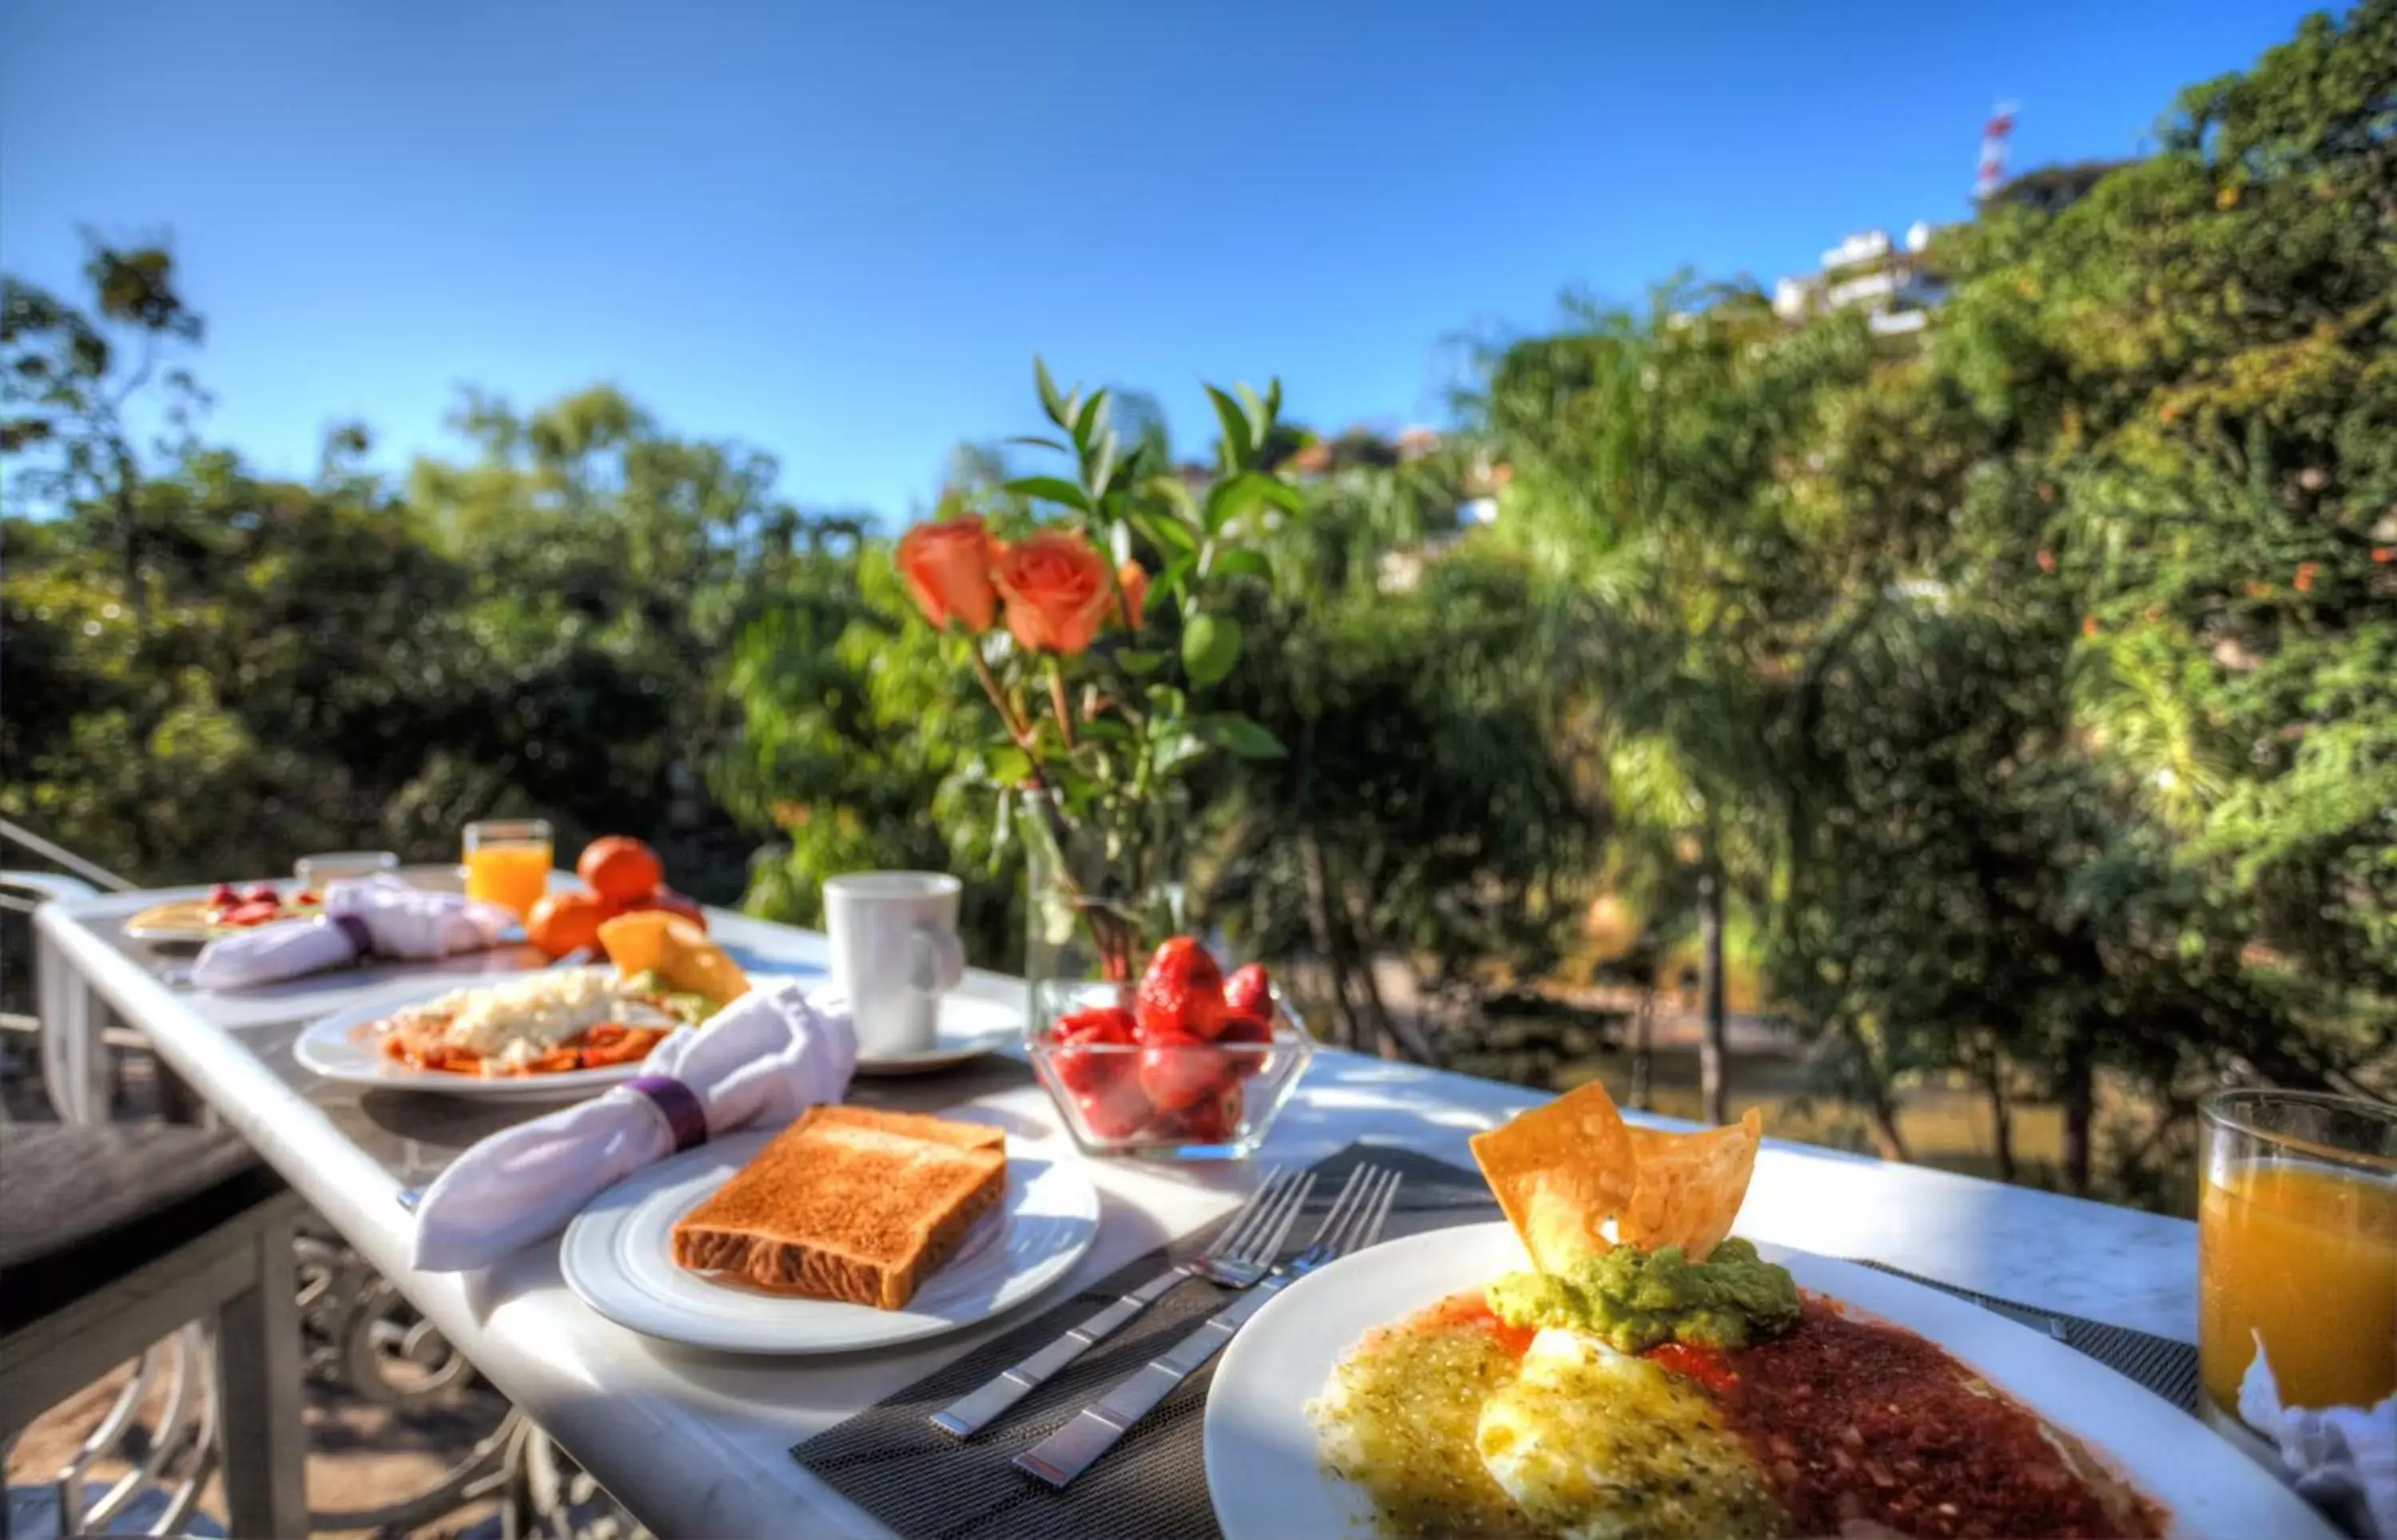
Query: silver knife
x=2037 y=1321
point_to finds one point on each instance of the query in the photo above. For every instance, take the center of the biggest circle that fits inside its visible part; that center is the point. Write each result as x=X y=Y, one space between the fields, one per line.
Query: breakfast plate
x=967 y=1029
x=339 y=1047
x=343 y=1047
x=1266 y=1480
x=617 y=1257
x=192 y=921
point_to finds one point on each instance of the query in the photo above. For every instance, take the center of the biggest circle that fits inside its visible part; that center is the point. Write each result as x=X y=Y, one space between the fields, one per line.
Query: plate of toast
x=853 y=1227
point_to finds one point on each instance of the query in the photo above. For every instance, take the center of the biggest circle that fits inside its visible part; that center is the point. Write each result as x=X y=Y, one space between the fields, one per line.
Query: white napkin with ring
x=378 y=916
x=764 y=1059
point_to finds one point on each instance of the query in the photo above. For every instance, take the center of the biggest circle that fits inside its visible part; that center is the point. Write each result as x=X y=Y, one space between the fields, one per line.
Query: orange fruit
x=561 y=921
x=619 y=867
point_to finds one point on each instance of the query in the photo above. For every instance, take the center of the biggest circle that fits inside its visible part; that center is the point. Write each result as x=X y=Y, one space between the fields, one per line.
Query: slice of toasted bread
x=848 y=1204
x=953 y=1132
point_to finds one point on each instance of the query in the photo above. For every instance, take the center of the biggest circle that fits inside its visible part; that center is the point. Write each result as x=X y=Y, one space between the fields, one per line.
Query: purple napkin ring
x=361 y=938
x=680 y=1105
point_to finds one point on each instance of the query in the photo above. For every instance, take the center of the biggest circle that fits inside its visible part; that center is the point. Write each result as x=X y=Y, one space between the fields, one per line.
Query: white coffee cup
x=894 y=953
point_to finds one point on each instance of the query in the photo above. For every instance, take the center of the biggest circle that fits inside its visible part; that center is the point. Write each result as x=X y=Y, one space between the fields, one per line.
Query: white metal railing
x=49 y=850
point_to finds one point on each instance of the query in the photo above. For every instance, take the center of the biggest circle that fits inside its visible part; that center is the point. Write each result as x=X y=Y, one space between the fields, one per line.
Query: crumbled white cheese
x=519 y=1021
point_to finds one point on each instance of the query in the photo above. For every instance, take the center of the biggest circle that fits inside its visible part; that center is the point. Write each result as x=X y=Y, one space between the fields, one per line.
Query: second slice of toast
x=848 y=1204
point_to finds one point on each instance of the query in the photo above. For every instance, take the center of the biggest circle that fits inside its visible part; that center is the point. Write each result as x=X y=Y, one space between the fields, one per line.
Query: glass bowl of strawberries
x=1185 y=1065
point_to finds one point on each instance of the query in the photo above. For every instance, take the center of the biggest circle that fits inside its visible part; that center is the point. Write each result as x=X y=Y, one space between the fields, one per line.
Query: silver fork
x=1240 y=1255
x=1353 y=1223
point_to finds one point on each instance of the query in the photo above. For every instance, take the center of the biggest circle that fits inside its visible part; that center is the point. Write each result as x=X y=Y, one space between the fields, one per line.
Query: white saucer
x=967 y=1029
x=617 y=1257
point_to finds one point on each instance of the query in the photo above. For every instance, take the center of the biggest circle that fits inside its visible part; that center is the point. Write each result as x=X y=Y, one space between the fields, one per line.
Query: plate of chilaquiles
x=1613 y=1363
x=554 y=1034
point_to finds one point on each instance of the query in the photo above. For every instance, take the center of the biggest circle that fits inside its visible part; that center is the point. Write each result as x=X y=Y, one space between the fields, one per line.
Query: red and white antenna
x=1993 y=151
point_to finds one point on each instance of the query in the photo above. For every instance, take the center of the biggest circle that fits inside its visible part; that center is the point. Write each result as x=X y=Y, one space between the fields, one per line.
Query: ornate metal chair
x=116 y=1237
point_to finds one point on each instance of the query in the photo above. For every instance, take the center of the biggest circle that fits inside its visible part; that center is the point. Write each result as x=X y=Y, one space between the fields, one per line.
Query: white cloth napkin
x=402 y=921
x=764 y=1059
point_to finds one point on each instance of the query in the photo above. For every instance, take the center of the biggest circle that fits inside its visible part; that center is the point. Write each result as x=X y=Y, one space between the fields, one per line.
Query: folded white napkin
x=398 y=921
x=764 y=1059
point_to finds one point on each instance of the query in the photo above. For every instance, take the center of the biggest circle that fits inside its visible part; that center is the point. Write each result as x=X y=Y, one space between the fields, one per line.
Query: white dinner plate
x=967 y=1029
x=619 y=1256
x=1260 y=1447
x=339 y=1047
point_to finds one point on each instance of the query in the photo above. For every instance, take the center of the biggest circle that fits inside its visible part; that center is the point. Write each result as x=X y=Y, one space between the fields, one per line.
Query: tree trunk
x=1712 y=1091
x=1644 y=1030
x=1889 y=1139
x=2002 y=1116
x=2077 y=1089
x=1319 y=923
x=1398 y=1039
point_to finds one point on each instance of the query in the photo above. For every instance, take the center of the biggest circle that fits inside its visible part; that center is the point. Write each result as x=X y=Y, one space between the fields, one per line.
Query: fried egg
x=1594 y=1445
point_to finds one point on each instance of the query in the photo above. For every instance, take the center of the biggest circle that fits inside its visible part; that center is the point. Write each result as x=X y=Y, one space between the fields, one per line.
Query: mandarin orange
x=562 y=922
x=619 y=866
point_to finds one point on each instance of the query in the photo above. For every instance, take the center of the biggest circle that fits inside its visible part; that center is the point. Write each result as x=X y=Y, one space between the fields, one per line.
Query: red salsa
x=1471 y=1308
x=1853 y=1420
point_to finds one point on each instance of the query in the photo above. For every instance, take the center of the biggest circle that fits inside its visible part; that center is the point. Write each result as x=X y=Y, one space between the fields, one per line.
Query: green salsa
x=1634 y=1300
x=681 y=1004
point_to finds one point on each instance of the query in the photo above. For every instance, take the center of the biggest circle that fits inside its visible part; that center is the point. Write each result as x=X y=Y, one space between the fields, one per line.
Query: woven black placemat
x=924 y=1484
x=891 y=1462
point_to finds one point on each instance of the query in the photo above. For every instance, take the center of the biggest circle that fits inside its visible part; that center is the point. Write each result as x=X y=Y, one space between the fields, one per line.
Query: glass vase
x=1098 y=898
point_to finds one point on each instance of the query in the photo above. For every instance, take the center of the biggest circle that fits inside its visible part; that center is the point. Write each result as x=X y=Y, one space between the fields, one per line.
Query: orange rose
x=1133 y=580
x=1057 y=588
x=948 y=569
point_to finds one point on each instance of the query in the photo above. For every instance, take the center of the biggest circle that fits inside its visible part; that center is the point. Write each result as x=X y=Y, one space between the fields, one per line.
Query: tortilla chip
x=1688 y=1186
x=1558 y=1170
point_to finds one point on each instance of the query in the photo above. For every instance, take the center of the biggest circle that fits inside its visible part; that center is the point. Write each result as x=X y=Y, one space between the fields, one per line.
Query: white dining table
x=696 y=1442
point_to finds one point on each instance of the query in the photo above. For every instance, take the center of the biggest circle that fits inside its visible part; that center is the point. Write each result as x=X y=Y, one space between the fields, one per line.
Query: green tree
x=1651 y=456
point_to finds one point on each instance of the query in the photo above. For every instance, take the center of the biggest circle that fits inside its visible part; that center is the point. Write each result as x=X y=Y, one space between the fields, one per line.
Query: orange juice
x=2307 y=1256
x=514 y=873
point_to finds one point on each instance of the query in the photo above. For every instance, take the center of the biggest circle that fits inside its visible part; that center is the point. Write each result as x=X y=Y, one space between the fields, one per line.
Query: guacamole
x=1636 y=1300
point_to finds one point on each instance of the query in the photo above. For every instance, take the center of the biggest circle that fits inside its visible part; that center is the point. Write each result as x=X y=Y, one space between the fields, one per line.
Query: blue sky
x=840 y=231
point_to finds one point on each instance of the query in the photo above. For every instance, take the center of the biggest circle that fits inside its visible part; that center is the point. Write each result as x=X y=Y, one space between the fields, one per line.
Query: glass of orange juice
x=2296 y=1252
x=507 y=861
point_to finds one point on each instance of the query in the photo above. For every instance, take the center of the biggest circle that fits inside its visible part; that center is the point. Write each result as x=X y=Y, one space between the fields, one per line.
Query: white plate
x=619 y=1256
x=967 y=1029
x=338 y=1048
x=1260 y=1447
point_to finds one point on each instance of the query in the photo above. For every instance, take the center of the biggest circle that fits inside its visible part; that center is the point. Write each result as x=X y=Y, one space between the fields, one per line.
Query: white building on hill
x=1894 y=285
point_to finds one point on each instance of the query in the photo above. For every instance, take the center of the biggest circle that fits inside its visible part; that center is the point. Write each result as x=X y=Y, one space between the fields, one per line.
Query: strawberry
x=1080 y=1070
x=1212 y=1119
x=1179 y=1071
x=1181 y=994
x=1241 y=1027
x=1116 y=1110
x=262 y=893
x=223 y=896
x=1250 y=991
x=1094 y=1024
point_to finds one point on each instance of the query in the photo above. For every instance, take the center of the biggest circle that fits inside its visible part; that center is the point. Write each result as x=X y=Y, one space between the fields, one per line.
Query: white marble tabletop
x=697 y=1442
